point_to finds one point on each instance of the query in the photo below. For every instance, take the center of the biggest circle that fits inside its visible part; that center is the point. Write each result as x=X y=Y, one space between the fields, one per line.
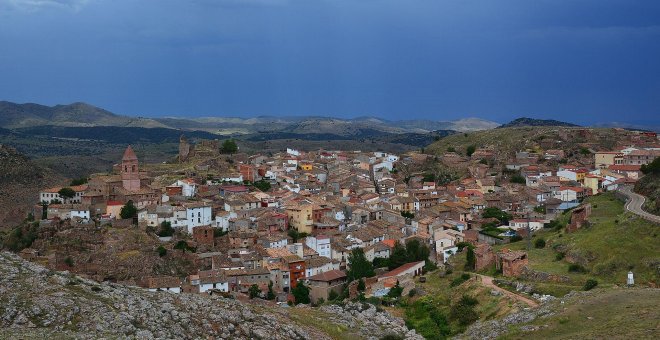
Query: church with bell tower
x=130 y=174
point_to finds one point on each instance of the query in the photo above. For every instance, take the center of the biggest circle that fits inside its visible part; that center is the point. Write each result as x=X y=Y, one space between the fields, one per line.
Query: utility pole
x=529 y=232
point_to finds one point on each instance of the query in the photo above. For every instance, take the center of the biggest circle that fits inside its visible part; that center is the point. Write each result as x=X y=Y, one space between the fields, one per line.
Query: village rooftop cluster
x=276 y=220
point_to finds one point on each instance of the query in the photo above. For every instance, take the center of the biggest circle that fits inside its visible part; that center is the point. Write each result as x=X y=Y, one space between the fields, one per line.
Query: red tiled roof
x=623 y=167
x=328 y=276
x=399 y=270
x=389 y=242
x=576 y=189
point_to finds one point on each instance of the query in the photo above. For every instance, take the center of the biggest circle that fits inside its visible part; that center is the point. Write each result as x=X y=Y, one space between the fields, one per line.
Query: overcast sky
x=584 y=61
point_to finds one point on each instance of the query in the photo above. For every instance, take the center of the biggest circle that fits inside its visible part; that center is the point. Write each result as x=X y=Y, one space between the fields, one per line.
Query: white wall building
x=320 y=244
x=197 y=215
x=188 y=187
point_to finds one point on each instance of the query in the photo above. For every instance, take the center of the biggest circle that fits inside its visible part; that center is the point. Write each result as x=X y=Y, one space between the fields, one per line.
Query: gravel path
x=488 y=282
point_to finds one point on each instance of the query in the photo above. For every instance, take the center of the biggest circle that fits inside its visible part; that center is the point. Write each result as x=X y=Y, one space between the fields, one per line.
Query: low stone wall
x=539 y=276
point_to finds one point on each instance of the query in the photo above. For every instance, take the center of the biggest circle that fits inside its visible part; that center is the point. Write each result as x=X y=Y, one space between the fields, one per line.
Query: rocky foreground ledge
x=38 y=303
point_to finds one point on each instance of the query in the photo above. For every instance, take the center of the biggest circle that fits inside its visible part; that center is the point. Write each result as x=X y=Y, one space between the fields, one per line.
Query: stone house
x=163 y=283
x=511 y=262
x=484 y=256
x=322 y=284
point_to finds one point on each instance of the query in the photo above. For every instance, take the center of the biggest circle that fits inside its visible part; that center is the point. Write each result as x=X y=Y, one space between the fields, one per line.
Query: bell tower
x=130 y=175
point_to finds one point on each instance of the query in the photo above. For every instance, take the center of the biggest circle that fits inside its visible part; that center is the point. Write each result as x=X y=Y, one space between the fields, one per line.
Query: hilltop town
x=318 y=226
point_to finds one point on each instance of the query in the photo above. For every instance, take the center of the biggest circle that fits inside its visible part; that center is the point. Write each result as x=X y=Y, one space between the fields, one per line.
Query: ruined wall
x=184 y=149
x=579 y=218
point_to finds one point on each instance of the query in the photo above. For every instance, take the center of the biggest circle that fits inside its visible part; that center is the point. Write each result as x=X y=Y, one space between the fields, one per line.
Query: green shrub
x=68 y=261
x=518 y=179
x=166 y=229
x=395 y=291
x=470 y=150
x=459 y=280
x=161 y=251
x=559 y=256
x=590 y=284
x=515 y=238
x=392 y=337
x=576 y=268
x=254 y=291
x=463 y=311
x=539 y=243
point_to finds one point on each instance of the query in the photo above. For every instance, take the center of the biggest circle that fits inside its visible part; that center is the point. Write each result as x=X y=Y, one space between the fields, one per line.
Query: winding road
x=635 y=203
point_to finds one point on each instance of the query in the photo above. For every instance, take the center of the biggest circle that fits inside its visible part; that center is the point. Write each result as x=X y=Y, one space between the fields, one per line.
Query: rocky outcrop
x=371 y=323
x=539 y=276
x=36 y=302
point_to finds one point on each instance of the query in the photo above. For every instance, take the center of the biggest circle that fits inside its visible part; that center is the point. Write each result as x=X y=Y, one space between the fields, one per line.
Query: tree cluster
x=166 y=229
x=301 y=293
x=129 y=210
x=229 y=146
x=500 y=215
x=358 y=266
x=651 y=168
x=412 y=251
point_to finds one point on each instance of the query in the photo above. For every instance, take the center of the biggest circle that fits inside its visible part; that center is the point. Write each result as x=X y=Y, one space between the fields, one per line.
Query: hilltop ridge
x=524 y=121
x=13 y=116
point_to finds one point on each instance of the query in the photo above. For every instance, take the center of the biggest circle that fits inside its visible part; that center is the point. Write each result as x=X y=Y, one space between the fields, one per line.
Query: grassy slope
x=507 y=141
x=613 y=248
x=621 y=313
x=439 y=293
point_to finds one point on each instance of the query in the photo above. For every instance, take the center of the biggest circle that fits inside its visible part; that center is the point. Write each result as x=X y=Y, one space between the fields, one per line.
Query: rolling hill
x=13 y=116
x=524 y=121
x=20 y=182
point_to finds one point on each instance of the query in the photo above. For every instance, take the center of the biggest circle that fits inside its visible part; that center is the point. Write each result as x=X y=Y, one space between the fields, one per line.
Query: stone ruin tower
x=184 y=149
x=130 y=172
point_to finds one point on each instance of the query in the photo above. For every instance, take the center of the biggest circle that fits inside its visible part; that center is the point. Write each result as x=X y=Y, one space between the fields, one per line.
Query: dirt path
x=488 y=282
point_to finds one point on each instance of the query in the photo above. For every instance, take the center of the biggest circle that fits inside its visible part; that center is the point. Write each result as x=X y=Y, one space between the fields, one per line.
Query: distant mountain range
x=524 y=121
x=17 y=116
